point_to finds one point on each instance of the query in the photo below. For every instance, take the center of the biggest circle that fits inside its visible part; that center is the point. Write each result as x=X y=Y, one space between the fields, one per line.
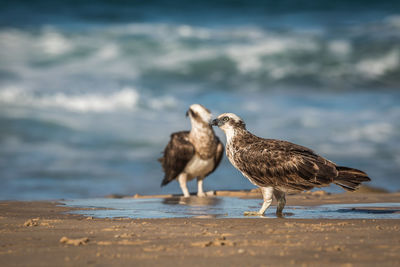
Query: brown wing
x=269 y=162
x=218 y=155
x=177 y=154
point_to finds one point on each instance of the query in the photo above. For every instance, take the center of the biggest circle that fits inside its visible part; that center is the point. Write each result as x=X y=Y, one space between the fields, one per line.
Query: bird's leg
x=280 y=197
x=267 y=196
x=182 y=182
x=200 y=192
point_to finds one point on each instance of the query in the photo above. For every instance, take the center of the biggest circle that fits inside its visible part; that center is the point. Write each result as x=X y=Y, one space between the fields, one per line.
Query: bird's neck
x=233 y=133
x=203 y=138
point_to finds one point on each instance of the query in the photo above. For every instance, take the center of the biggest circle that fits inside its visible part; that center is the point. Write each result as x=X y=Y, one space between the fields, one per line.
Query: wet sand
x=43 y=234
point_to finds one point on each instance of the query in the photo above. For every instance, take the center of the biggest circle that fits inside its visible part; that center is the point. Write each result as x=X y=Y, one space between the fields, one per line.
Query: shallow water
x=226 y=207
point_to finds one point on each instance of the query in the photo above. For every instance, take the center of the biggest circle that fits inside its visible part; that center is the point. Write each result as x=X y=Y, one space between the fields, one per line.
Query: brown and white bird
x=279 y=166
x=194 y=153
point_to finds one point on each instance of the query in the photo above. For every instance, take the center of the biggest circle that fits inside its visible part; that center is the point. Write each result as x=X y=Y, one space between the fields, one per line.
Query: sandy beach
x=44 y=234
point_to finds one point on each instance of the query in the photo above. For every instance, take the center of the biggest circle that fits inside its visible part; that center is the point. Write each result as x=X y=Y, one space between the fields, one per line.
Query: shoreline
x=307 y=198
x=42 y=233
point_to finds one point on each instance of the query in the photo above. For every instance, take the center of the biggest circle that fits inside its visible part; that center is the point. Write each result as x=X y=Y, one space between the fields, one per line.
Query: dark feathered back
x=177 y=154
x=269 y=162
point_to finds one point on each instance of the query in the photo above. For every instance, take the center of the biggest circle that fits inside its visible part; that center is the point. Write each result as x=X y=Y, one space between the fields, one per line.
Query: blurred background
x=91 y=90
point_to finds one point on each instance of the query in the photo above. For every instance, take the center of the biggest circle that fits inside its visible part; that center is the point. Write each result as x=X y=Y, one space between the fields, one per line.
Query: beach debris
x=75 y=242
x=124 y=235
x=334 y=248
x=202 y=244
x=40 y=222
x=218 y=242
x=32 y=222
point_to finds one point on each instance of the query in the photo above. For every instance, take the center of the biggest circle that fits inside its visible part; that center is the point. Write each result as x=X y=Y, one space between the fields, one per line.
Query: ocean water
x=91 y=90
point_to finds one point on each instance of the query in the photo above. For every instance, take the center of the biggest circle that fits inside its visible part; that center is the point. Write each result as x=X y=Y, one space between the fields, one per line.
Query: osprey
x=192 y=154
x=279 y=166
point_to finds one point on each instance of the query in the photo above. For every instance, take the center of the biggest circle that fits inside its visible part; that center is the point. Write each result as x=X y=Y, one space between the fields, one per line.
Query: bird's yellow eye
x=225 y=119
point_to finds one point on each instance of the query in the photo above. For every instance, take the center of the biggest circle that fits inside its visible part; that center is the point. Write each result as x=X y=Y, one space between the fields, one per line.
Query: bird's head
x=229 y=122
x=199 y=114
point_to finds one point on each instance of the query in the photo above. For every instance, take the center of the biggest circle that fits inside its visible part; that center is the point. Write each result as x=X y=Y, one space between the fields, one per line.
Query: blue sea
x=91 y=90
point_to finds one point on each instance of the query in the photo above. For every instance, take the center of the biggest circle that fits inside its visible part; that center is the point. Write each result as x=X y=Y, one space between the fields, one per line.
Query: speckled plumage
x=281 y=165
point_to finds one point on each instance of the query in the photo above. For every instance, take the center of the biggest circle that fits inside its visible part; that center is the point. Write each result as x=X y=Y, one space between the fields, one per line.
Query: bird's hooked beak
x=215 y=122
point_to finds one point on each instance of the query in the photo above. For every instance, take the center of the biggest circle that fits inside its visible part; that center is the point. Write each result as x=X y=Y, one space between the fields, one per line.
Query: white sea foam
x=193 y=32
x=249 y=56
x=177 y=59
x=107 y=52
x=253 y=51
x=246 y=46
x=125 y=99
x=375 y=67
x=54 y=43
x=340 y=47
x=128 y=99
x=10 y=94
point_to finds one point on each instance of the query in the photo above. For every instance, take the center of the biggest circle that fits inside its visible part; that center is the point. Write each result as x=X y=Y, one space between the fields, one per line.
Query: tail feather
x=165 y=181
x=349 y=178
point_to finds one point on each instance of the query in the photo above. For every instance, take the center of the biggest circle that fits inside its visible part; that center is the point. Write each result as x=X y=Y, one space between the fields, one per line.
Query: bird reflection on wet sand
x=211 y=202
x=192 y=201
x=195 y=201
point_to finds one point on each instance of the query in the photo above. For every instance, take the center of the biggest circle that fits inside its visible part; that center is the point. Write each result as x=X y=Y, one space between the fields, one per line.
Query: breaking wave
x=162 y=56
x=126 y=99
